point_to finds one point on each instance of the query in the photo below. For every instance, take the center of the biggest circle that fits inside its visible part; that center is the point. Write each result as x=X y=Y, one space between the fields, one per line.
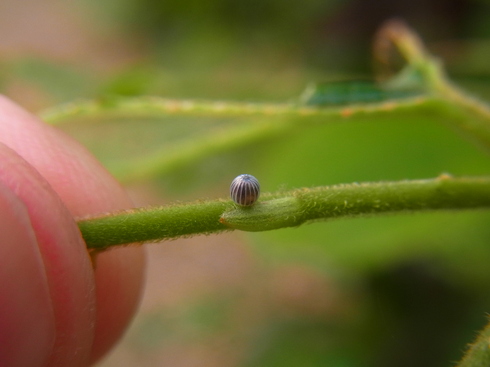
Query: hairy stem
x=285 y=209
x=478 y=354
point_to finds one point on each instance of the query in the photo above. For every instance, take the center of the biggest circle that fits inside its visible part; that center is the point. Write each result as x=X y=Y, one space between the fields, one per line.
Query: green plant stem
x=153 y=224
x=478 y=354
x=285 y=209
x=464 y=111
x=150 y=106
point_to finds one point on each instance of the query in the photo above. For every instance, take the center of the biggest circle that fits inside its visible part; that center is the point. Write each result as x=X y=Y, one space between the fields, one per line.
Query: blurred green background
x=395 y=291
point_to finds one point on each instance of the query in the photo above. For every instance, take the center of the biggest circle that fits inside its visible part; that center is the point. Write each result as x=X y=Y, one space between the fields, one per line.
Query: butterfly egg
x=245 y=190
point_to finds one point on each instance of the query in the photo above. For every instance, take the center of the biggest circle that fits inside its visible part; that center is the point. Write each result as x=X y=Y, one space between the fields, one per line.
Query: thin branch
x=150 y=106
x=285 y=209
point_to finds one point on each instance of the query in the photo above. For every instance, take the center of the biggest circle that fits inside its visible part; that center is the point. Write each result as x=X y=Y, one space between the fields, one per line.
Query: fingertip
x=85 y=188
x=66 y=264
x=27 y=320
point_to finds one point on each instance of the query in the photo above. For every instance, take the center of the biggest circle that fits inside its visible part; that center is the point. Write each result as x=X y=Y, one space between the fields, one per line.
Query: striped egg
x=245 y=190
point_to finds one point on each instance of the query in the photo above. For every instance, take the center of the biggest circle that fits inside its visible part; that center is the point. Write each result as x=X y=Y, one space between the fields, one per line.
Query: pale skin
x=55 y=308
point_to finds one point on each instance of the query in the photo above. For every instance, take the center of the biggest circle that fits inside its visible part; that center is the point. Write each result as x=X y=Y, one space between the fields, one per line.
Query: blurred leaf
x=353 y=92
x=133 y=82
x=63 y=82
